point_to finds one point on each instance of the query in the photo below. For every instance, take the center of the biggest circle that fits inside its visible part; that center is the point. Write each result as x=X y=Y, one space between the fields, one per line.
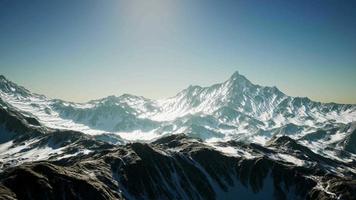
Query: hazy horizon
x=84 y=50
x=97 y=98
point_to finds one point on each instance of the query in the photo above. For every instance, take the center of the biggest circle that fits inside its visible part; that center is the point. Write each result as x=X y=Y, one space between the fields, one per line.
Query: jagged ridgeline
x=232 y=140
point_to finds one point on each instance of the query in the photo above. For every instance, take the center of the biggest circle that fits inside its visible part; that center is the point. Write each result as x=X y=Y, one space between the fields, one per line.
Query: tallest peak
x=236 y=76
x=236 y=73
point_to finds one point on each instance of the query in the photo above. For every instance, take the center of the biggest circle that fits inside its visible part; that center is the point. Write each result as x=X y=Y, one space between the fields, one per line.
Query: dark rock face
x=13 y=124
x=349 y=143
x=145 y=171
x=6 y=194
x=47 y=181
x=317 y=135
x=173 y=167
x=337 y=189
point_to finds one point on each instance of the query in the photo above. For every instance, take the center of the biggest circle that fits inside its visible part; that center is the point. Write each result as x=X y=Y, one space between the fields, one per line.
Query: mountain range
x=228 y=140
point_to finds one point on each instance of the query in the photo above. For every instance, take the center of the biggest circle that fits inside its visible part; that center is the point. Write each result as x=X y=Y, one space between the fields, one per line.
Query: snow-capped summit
x=240 y=80
x=237 y=93
x=9 y=88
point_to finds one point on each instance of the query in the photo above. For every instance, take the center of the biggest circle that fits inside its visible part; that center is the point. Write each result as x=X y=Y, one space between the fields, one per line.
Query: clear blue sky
x=86 y=49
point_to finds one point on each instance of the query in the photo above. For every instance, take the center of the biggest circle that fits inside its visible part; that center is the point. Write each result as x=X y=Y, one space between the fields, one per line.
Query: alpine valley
x=232 y=140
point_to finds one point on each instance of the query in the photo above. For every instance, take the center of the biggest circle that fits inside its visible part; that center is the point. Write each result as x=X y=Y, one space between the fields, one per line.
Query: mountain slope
x=24 y=139
x=179 y=167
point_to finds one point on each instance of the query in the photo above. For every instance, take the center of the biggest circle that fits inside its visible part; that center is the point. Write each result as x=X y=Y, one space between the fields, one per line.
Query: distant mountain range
x=234 y=109
x=235 y=136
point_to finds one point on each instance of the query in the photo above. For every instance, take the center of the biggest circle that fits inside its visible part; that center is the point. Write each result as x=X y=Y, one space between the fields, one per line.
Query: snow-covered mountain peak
x=117 y=99
x=108 y=99
x=4 y=82
x=239 y=79
x=9 y=88
x=238 y=84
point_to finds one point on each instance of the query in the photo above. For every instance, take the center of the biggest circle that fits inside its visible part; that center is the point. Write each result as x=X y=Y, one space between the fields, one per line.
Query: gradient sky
x=87 y=49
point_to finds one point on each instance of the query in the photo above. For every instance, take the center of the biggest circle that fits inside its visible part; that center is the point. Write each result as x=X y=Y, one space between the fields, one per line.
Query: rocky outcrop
x=14 y=124
x=173 y=167
x=48 y=181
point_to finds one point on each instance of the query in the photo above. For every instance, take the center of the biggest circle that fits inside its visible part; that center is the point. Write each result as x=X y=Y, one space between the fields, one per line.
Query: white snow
x=291 y=159
x=139 y=135
x=9 y=152
x=231 y=151
x=30 y=151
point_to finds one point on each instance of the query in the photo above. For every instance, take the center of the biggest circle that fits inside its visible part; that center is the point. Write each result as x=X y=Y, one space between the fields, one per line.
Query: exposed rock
x=47 y=181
